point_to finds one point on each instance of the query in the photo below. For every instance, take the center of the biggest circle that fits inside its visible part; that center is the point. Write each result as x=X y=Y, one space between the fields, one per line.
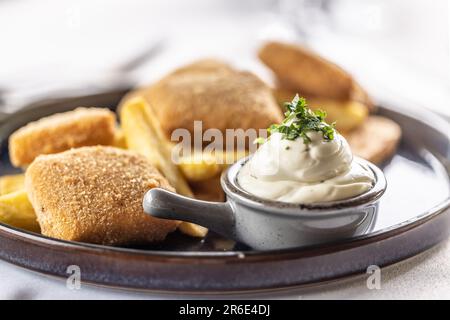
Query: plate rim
x=233 y=256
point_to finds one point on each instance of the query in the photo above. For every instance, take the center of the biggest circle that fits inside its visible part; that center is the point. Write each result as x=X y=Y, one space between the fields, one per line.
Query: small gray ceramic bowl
x=264 y=224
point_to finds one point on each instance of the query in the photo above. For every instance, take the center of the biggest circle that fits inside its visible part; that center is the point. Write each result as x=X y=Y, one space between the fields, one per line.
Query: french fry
x=143 y=134
x=144 y=137
x=11 y=183
x=201 y=166
x=16 y=210
x=348 y=115
x=192 y=229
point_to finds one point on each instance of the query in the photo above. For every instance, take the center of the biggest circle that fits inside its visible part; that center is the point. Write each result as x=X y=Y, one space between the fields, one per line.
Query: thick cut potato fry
x=201 y=166
x=11 y=183
x=16 y=210
x=192 y=229
x=198 y=168
x=348 y=115
x=143 y=134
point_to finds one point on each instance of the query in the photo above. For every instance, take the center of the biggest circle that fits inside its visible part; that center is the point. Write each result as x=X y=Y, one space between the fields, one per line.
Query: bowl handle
x=217 y=216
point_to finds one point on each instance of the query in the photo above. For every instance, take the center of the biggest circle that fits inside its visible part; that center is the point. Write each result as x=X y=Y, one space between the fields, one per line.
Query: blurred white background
x=397 y=48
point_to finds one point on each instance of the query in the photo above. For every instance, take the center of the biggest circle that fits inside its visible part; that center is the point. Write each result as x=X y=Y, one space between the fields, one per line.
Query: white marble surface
x=82 y=40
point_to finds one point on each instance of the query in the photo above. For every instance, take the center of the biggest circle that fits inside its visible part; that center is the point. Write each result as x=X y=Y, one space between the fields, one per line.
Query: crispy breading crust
x=214 y=93
x=305 y=72
x=376 y=140
x=60 y=132
x=94 y=194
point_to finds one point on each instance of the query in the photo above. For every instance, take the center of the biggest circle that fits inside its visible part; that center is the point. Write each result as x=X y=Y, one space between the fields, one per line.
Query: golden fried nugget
x=301 y=70
x=376 y=140
x=214 y=93
x=60 y=132
x=94 y=194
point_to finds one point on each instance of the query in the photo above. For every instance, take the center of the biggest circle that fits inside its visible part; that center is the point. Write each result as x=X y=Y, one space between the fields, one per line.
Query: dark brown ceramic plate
x=414 y=215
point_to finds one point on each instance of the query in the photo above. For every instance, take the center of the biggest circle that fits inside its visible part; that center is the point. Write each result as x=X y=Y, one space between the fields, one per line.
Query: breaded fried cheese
x=214 y=93
x=302 y=70
x=94 y=194
x=60 y=132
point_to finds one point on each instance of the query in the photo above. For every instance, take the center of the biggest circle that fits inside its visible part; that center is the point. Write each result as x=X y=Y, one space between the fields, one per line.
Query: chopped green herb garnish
x=259 y=140
x=299 y=120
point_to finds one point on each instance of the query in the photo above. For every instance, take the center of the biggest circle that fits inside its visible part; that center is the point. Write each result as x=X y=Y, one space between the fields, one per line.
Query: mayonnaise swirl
x=298 y=172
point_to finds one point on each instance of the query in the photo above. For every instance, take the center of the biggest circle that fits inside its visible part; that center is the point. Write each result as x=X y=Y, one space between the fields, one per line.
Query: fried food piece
x=214 y=93
x=302 y=70
x=202 y=165
x=60 y=132
x=348 y=115
x=16 y=210
x=11 y=183
x=144 y=135
x=202 y=66
x=94 y=194
x=376 y=140
x=199 y=167
x=192 y=229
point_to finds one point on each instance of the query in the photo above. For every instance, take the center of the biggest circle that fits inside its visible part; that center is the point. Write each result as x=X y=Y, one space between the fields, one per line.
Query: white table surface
x=82 y=41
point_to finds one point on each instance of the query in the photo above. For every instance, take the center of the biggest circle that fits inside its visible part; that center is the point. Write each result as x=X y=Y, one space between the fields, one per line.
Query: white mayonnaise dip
x=298 y=172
